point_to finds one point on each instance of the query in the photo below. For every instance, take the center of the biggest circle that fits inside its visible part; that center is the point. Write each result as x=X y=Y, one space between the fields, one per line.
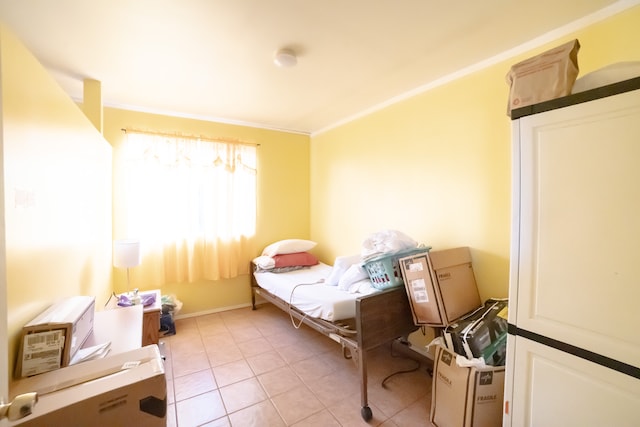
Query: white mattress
x=301 y=289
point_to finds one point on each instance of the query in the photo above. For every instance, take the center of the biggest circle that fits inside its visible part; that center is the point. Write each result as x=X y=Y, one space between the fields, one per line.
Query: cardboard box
x=440 y=285
x=51 y=340
x=465 y=396
x=126 y=389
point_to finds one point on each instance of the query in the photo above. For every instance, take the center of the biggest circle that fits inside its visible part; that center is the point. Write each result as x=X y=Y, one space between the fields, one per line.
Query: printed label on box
x=415 y=267
x=444 y=276
x=419 y=291
x=42 y=352
x=130 y=365
x=486 y=378
x=446 y=358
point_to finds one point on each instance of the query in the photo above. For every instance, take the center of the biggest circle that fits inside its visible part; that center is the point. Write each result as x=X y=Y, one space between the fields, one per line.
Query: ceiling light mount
x=285 y=58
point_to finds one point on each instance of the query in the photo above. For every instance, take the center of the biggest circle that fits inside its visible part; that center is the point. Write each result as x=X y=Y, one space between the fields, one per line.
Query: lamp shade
x=126 y=253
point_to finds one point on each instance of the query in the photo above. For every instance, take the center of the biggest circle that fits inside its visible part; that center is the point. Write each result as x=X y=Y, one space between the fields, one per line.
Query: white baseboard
x=215 y=310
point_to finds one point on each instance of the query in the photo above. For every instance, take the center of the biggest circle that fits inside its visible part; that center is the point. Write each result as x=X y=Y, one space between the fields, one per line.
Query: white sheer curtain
x=192 y=203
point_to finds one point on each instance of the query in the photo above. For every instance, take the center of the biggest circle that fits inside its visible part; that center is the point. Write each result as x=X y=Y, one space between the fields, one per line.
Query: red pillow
x=295 y=259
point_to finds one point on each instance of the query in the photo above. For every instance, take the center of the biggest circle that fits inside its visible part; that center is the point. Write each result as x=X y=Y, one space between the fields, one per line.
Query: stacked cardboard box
x=440 y=285
x=465 y=396
x=466 y=392
x=442 y=293
x=50 y=340
x=126 y=389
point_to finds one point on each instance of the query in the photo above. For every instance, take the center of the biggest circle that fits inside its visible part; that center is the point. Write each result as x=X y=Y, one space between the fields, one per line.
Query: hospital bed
x=357 y=322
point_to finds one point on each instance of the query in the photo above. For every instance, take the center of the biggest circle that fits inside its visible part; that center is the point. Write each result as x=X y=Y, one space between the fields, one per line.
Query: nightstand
x=151 y=319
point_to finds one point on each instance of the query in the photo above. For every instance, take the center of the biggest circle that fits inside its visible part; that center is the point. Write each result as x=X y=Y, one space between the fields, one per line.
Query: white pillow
x=288 y=246
x=265 y=262
x=353 y=274
x=340 y=265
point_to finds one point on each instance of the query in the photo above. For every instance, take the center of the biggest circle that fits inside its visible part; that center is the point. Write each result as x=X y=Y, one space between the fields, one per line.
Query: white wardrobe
x=573 y=349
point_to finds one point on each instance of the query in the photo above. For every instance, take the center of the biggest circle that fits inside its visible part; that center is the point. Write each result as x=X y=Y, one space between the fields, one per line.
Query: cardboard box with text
x=52 y=338
x=440 y=285
x=126 y=389
x=465 y=396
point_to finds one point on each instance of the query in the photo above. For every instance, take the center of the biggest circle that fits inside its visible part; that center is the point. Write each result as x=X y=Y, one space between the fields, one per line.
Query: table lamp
x=126 y=254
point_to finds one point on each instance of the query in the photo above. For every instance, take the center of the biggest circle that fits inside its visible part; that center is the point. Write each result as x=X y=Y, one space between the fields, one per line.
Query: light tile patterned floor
x=245 y=368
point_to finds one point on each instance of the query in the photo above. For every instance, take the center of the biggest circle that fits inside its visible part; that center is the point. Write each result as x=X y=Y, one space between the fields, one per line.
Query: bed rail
x=382 y=317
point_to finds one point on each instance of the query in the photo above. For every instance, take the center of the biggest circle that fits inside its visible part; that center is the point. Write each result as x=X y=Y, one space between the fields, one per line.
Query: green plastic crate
x=384 y=271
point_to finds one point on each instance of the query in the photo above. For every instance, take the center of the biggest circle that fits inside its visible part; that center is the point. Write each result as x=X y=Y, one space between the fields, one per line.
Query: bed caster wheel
x=366 y=413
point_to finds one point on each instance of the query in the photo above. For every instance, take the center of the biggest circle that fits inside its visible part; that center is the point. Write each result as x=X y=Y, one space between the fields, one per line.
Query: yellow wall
x=283 y=198
x=437 y=166
x=57 y=193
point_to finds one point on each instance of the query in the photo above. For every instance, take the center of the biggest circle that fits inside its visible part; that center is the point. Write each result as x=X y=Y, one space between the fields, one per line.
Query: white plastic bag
x=386 y=242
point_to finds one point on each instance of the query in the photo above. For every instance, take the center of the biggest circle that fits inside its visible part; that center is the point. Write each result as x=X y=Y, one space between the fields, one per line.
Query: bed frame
x=380 y=318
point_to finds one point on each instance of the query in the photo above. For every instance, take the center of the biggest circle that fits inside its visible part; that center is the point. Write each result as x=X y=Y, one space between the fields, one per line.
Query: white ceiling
x=212 y=59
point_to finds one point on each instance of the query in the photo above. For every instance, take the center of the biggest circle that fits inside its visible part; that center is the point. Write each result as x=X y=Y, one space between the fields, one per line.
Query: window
x=191 y=202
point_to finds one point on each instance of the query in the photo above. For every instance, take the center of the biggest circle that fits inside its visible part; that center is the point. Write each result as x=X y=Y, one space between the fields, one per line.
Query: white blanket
x=305 y=290
x=386 y=242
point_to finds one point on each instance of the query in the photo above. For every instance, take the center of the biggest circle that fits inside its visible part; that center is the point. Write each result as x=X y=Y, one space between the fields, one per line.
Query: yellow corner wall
x=57 y=193
x=437 y=166
x=283 y=198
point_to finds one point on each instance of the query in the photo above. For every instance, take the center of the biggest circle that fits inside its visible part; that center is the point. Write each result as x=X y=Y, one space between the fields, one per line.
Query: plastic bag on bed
x=386 y=242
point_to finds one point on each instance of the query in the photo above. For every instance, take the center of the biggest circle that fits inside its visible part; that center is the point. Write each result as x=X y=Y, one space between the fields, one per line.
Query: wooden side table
x=151 y=319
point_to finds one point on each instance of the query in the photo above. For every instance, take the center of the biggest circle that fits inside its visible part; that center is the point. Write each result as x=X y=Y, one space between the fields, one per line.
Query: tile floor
x=246 y=368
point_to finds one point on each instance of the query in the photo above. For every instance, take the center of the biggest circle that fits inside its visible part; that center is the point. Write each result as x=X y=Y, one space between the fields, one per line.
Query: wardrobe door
x=574 y=286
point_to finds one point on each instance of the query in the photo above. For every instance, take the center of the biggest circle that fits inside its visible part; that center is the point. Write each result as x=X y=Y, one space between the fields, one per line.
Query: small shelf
x=151 y=319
